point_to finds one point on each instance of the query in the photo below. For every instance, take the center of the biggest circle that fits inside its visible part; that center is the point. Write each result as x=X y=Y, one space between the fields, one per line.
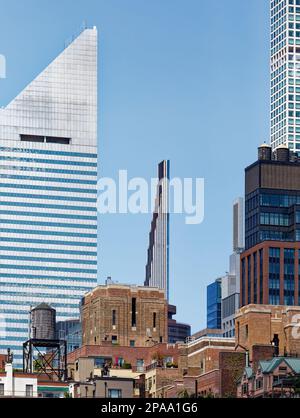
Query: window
x=289 y=276
x=99 y=362
x=154 y=319
x=274 y=276
x=261 y=276
x=32 y=138
x=255 y=277
x=245 y=389
x=114 y=317
x=259 y=383
x=48 y=139
x=140 y=365
x=54 y=140
x=1 y=389
x=249 y=259
x=114 y=339
x=29 y=391
x=132 y=343
x=133 y=312
x=243 y=281
x=114 y=393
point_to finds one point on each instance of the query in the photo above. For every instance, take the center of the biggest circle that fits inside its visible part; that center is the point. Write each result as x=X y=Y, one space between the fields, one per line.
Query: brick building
x=103 y=387
x=3 y=358
x=208 y=365
x=124 y=315
x=202 y=355
x=159 y=379
x=149 y=367
x=137 y=358
x=276 y=326
x=274 y=378
x=218 y=383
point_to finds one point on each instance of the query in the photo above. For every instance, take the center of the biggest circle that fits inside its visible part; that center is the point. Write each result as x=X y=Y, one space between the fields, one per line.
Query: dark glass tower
x=270 y=263
x=214 y=305
x=272 y=201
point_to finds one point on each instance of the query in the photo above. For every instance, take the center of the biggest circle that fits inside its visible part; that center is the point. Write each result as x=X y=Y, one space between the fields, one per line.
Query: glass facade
x=48 y=192
x=289 y=276
x=272 y=216
x=243 y=273
x=274 y=276
x=261 y=275
x=157 y=267
x=280 y=275
x=249 y=277
x=214 y=305
x=285 y=73
x=255 y=276
x=299 y=277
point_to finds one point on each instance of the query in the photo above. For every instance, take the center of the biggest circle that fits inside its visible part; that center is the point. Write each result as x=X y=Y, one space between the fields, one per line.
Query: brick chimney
x=261 y=352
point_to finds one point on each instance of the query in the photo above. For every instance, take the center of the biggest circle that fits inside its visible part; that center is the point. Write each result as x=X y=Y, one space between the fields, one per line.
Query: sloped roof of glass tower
x=62 y=100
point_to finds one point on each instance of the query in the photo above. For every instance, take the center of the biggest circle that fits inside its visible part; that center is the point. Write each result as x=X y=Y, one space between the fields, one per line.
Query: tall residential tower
x=48 y=192
x=285 y=73
x=270 y=263
x=231 y=282
x=157 y=268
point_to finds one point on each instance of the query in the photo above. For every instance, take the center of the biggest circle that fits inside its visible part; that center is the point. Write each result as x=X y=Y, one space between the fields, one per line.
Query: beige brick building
x=209 y=365
x=124 y=315
x=269 y=325
x=202 y=355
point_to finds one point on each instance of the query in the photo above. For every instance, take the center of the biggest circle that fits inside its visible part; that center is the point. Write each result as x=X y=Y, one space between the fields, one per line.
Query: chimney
x=247 y=359
x=9 y=390
x=261 y=352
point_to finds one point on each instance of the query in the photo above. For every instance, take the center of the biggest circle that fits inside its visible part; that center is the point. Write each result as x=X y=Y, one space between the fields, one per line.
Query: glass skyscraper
x=157 y=267
x=48 y=192
x=285 y=73
x=214 y=305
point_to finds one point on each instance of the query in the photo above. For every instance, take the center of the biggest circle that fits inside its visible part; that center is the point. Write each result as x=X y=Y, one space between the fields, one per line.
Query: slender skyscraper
x=231 y=282
x=285 y=73
x=48 y=192
x=238 y=225
x=157 y=268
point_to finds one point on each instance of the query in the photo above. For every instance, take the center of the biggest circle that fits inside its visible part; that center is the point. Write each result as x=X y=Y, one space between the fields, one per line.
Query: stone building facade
x=208 y=366
x=124 y=315
x=277 y=326
x=202 y=355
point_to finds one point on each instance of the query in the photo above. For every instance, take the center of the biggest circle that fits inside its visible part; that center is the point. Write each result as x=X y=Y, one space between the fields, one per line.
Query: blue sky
x=186 y=80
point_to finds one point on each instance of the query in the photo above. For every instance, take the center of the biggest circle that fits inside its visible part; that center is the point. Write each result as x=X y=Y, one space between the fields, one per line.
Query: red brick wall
x=2 y=361
x=129 y=354
x=232 y=365
x=261 y=352
x=209 y=384
x=265 y=246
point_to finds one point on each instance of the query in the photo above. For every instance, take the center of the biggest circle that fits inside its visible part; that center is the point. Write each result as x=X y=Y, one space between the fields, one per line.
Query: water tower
x=43 y=353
